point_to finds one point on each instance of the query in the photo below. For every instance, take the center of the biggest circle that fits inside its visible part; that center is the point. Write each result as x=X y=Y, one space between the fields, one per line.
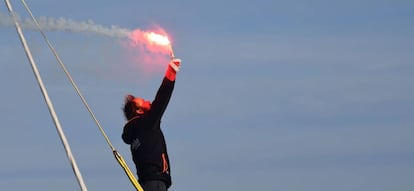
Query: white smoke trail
x=150 y=57
x=69 y=25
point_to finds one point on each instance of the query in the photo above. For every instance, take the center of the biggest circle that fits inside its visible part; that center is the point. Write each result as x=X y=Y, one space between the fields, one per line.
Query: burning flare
x=158 y=39
x=151 y=50
x=154 y=42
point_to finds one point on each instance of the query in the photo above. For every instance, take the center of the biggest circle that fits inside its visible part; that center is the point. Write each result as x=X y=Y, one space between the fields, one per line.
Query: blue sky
x=272 y=95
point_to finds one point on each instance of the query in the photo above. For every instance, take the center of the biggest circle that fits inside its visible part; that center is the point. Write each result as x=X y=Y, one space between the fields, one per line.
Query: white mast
x=47 y=100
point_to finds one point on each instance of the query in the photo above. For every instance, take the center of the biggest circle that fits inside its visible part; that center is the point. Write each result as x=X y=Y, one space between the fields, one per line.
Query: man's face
x=143 y=105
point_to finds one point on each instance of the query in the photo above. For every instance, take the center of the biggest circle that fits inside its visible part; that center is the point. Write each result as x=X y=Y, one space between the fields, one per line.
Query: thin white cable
x=117 y=156
x=47 y=100
x=85 y=103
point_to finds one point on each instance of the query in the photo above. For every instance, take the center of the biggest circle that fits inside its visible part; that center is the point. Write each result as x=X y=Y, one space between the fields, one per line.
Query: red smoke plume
x=150 y=50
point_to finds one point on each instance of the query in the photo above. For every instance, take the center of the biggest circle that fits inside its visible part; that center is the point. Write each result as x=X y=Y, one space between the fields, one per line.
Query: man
x=143 y=133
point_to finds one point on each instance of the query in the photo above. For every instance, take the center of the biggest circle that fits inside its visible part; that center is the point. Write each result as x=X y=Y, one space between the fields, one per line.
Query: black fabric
x=147 y=143
x=154 y=185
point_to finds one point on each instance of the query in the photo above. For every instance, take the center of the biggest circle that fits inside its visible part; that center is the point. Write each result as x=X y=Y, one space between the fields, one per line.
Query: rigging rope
x=47 y=100
x=116 y=154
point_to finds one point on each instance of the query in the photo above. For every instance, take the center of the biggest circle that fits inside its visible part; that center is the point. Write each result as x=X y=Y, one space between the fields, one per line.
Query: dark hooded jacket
x=146 y=140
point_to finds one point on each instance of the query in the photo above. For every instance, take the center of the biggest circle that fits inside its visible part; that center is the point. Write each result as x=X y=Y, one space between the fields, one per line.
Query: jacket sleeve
x=127 y=134
x=161 y=100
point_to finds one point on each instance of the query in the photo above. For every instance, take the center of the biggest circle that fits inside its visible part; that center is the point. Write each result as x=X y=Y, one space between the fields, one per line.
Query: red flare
x=150 y=51
x=159 y=39
x=154 y=42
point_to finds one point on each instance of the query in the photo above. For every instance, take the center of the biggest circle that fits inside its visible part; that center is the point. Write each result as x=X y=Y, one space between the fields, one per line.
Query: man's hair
x=130 y=107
